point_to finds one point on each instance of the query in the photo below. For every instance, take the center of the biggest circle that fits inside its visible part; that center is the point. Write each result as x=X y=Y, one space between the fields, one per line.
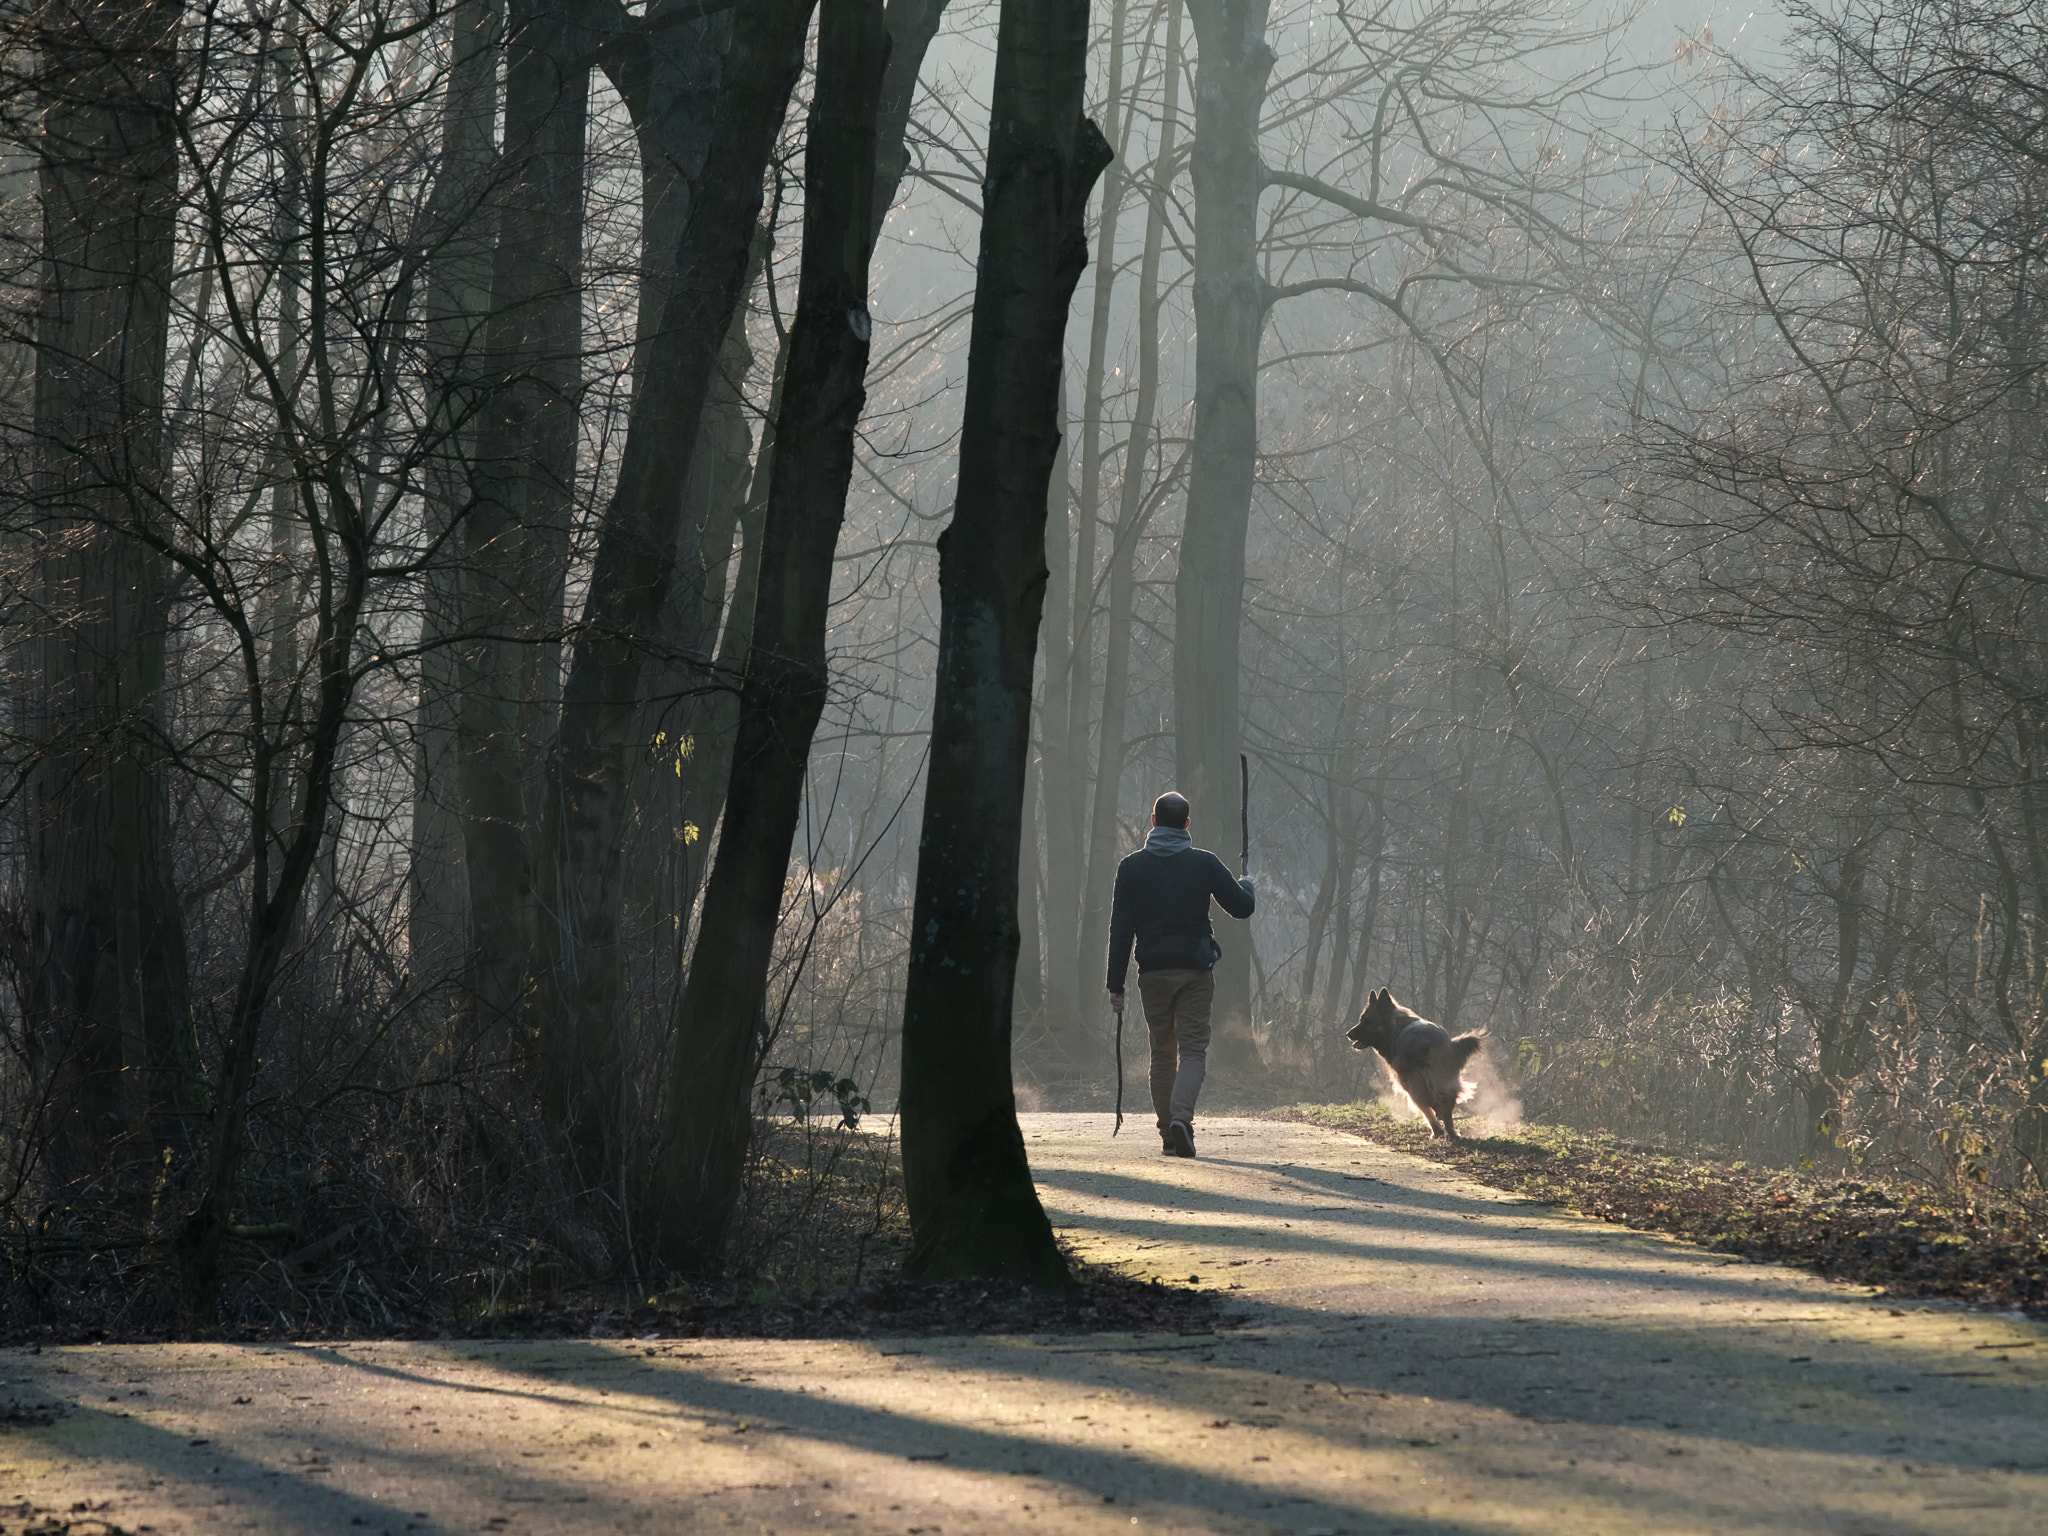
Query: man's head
x=1170 y=810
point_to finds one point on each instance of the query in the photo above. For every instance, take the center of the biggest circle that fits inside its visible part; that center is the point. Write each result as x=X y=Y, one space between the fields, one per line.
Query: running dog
x=1425 y=1060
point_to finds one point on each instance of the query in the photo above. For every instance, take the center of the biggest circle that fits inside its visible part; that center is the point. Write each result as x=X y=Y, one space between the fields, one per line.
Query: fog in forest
x=1588 y=460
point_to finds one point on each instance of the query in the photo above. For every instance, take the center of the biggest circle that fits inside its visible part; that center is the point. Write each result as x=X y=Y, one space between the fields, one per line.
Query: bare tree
x=973 y=1207
x=783 y=691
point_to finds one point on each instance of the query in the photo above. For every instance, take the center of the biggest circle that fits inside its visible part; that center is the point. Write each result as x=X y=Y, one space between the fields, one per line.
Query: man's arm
x=1233 y=896
x=1121 y=934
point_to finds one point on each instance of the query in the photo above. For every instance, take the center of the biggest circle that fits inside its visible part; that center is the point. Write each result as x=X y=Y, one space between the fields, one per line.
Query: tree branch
x=1362 y=207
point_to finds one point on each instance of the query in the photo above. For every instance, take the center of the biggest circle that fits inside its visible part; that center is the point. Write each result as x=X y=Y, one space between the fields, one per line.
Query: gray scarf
x=1167 y=841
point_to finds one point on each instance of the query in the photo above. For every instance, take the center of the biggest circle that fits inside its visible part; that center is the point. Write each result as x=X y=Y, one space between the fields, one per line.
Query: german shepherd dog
x=1424 y=1058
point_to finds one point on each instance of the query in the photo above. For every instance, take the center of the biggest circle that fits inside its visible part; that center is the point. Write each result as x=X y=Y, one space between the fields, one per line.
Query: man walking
x=1162 y=902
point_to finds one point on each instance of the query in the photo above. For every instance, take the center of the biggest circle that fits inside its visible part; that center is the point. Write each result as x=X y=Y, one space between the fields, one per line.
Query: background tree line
x=522 y=517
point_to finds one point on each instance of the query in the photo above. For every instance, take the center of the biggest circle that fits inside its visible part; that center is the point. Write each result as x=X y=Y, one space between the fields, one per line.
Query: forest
x=592 y=590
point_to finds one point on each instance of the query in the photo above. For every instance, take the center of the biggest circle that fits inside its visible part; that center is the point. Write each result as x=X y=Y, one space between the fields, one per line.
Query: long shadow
x=1188 y=1371
x=1260 y=1224
x=761 y=1411
x=248 y=1486
x=1519 y=1375
x=1736 y=1390
x=1521 y=1367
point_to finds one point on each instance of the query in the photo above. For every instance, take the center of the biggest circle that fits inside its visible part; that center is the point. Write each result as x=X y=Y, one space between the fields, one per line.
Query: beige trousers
x=1177 y=1017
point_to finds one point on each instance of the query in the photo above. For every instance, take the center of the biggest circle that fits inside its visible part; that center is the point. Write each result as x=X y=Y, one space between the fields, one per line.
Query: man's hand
x=1116 y=1002
x=1246 y=882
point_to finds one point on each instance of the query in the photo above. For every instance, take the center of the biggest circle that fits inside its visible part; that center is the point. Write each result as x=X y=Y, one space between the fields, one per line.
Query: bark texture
x=106 y=953
x=973 y=1208
x=724 y=1020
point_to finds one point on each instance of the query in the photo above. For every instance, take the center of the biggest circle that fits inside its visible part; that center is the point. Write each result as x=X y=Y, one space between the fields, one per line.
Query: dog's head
x=1382 y=1020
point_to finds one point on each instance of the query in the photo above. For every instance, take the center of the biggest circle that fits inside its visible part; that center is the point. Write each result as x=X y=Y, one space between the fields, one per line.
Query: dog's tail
x=1465 y=1047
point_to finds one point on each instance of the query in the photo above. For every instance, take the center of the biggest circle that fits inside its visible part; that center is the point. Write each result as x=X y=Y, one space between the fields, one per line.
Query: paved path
x=1424 y=1355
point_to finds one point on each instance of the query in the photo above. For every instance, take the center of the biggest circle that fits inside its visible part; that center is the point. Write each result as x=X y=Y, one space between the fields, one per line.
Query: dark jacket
x=1162 y=900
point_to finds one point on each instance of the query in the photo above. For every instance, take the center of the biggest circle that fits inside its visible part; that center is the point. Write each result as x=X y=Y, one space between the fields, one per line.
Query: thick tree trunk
x=580 y=966
x=973 y=1208
x=783 y=694
x=515 y=533
x=1230 y=310
x=107 y=988
x=462 y=218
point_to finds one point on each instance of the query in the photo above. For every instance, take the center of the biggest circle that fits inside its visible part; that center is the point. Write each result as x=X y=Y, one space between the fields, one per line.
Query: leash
x=1119 y=1074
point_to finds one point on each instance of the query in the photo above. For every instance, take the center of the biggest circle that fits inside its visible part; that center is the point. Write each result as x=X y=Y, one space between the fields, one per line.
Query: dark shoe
x=1180 y=1141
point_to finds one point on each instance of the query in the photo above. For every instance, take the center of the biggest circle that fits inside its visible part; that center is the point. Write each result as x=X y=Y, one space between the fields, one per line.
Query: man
x=1162 y=902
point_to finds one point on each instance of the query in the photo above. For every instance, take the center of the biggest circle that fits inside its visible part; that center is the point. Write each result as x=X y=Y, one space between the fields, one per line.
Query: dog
x=1425 y=1059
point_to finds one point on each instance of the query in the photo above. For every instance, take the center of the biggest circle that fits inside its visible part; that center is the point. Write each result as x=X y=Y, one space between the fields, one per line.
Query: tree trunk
x=668 y=845
x=515 y=534
x=1070 y=642
x=783 y=692
x=1134 y=509
x=1030 y=1002
x=457 y=297
x=671 y=87
x=973 y=1208
x=1060 y=779
x=1230 y=309
x=709 y=767
x=107 y=985
x=579 y=960
x=1376 y=847
x=911 y=25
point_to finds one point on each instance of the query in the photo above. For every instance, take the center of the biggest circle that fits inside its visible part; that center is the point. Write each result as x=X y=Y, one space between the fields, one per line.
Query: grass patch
x=1978 y=1245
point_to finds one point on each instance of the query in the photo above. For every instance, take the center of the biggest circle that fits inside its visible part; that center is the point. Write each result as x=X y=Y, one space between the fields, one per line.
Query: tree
x=579 y=968
x=514 y=528
x=1139 y=498
x=1230 y=318
x=454 y=310
x=783 y=691
x=1863 y=516
x=973 y=1208
x=107 y=950
x=1423 y=87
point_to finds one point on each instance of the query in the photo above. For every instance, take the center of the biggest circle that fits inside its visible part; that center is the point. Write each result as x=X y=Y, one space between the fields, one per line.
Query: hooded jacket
x=1162 y=903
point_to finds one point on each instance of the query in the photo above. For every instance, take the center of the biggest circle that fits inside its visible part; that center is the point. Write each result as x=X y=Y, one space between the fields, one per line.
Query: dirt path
x=1422 y=1355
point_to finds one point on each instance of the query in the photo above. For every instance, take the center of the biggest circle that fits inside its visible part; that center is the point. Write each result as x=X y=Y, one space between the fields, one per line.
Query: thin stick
x=1244 y=811
x=1119 y=1075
